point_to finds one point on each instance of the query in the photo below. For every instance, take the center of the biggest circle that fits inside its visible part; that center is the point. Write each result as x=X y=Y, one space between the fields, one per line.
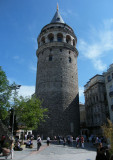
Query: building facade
x=109 y=89
x=57 y=78
x=96 y=104
x=83 y=128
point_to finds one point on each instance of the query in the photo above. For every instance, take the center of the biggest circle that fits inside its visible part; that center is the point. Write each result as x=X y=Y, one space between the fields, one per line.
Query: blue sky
x=22 y=20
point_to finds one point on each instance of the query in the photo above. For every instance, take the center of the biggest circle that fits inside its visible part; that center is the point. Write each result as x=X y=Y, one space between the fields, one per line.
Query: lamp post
x=13 y=87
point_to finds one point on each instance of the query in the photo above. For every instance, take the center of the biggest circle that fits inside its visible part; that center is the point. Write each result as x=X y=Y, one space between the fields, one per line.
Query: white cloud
x=99 y=65
x=18 y=59
x=81 y=91
x=67 y=12
x=101 y=42
x=26 y=91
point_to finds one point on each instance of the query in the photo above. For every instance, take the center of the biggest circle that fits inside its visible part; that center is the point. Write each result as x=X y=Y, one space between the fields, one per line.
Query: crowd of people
x=78 y=142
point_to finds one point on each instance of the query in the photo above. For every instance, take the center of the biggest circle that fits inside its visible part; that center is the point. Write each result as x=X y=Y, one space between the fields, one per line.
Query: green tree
x=108 y=133
x=30 y=112
x=5 y=93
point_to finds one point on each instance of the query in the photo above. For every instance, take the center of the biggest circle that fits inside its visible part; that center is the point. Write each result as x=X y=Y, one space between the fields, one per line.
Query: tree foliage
x=5 y=93
x=108 y=133
x=30 y=112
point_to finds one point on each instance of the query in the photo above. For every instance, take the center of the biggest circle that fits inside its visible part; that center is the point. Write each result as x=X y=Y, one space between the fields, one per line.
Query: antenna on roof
x=57 y=7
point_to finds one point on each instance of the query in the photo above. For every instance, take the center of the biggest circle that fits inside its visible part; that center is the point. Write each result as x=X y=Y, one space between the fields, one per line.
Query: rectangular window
x=112 y=101
x=112 y=107
x=109 y=78
x=112 y=75
x=50 y=58
x=110 y=88
x=69 y=59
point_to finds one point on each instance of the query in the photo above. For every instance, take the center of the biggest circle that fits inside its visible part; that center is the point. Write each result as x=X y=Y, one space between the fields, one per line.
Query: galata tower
x=57 y=78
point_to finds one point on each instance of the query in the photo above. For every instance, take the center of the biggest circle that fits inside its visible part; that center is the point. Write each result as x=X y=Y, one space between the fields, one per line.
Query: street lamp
x=13 y=87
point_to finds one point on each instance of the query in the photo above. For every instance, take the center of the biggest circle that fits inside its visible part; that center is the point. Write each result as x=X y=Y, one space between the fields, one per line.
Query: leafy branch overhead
x=30 y=112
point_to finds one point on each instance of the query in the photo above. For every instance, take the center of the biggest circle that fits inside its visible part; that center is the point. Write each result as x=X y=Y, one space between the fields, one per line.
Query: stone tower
x=57 y=78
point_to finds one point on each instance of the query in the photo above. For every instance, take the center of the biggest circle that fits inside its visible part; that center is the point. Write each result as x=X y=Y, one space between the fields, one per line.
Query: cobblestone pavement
x=56 y=152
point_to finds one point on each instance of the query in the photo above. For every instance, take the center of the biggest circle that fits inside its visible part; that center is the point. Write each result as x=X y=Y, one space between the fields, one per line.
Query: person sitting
x=29 y=143
x=17 y=147
x=2 y=140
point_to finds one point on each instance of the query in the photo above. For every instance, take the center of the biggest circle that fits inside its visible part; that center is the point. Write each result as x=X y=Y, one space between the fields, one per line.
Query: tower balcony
x=56 y=44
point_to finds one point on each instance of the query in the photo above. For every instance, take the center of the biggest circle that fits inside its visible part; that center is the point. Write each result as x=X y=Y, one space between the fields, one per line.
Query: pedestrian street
x=55 y=152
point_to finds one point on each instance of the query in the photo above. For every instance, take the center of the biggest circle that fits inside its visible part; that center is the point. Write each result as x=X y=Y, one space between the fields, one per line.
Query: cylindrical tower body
x=57 y=79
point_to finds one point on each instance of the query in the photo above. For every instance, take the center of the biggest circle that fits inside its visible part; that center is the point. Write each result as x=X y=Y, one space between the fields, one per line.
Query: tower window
x=69 y=59
x=60 y=50
x=68 y=39
x=51 y=37
x=58 y=19
x=43 y=40
x=59 y=37
x=73 y=42
x=50 y=58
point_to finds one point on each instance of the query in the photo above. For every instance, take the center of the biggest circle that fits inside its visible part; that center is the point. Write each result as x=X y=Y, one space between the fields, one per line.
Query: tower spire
x=57 y=7
x=57 y=17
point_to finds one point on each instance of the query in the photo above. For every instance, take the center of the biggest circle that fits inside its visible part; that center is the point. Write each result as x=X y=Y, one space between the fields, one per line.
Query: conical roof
x=57 y=17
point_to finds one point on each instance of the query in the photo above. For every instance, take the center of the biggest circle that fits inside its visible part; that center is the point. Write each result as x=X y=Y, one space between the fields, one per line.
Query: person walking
x=48 y=141
x=77 y=142
x=71 y=140
x=39 y=143
x=64 y=141
x=82 y=141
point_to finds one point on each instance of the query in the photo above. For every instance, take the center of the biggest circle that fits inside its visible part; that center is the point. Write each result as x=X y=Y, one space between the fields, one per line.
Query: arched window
x=73 y=42
x=51 y=37
x=43 y=40
x=68 y=39
x=59 y=37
